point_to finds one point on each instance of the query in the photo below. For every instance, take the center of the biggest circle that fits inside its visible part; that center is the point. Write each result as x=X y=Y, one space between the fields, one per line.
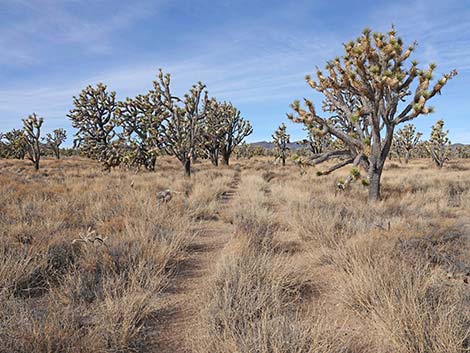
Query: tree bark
x=151 y=164
x=215 y=158
x=407 y=157
x=374 y=183
x=283 y=161
x=225 y=158
x=187 y=167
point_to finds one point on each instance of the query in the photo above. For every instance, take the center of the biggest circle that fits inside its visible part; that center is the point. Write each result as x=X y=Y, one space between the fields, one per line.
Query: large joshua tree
x=281 y=139
x=406 y=140
x=366 y=91
x=93 y=116
x=236 y=129
x=140 y=119
x=32 y=134
x=182 y=119
x=55 y=139
x=439 y=144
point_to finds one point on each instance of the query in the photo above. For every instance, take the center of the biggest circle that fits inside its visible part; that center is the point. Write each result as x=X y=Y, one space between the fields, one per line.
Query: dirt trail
x=178 y=322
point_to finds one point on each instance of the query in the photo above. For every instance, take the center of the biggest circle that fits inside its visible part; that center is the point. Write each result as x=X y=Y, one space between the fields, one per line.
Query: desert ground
x=253 y=257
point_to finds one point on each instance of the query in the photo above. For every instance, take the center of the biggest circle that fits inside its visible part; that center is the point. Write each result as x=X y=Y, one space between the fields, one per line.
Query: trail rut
x=178 y=320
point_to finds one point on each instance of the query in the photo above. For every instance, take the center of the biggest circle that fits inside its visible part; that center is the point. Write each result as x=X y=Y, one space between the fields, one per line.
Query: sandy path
x=178 y=321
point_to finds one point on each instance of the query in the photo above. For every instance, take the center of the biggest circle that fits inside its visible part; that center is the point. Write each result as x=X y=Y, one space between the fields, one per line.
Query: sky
x=252 y=53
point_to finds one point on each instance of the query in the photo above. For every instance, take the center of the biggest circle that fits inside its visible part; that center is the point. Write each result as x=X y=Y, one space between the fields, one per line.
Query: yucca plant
x=366 y=93
x=32 y=134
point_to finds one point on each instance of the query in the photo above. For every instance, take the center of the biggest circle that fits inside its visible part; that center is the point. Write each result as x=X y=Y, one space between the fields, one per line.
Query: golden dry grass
x=58 y=294
x=307 y=268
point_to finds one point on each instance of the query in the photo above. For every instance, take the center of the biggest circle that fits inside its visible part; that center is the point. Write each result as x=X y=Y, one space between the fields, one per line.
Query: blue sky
x=253 y=53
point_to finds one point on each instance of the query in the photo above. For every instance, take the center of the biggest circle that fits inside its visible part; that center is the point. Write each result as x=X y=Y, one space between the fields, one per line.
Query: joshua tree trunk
x=214 y=157
x=57 y=153
x=377 y=162
x=194 y=155
x=151 y=163
x=225 y=158
x=187 y=167
x=407 y=157
x=283 y=160
x=374 y=183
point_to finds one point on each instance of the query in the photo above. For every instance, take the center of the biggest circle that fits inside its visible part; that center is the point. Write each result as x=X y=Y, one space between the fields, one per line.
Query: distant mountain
x=269 y=145
x=455 y=145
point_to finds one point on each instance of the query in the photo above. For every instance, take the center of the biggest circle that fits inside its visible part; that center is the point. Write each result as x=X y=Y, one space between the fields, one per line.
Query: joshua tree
x=439 y=144
x=236 y=129
x=94 y=117
x=280 y=139
x=140 y=119
x=406 y=140
x=14 y=144
x=182 y=119
x=212 y=131
x=317 y=144
x=421 y=150
x=55 y=139
x=366 y=93
x=462 y=151
x=222 y=131
x=243 y=150
x=32 y=134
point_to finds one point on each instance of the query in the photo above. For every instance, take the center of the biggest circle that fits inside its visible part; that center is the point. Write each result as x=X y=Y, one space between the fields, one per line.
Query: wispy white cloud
x=257 y=66
x=41 y=24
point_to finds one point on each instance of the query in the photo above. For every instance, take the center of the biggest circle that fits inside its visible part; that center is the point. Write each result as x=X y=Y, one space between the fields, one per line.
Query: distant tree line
x=406 y=144
x=135 y=131
x=132 y=133
x=28 y=143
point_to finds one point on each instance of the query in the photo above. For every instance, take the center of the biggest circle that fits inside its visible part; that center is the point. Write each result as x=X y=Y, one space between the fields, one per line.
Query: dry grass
x=392 y=278
x=307 y=269
x=58 y=294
